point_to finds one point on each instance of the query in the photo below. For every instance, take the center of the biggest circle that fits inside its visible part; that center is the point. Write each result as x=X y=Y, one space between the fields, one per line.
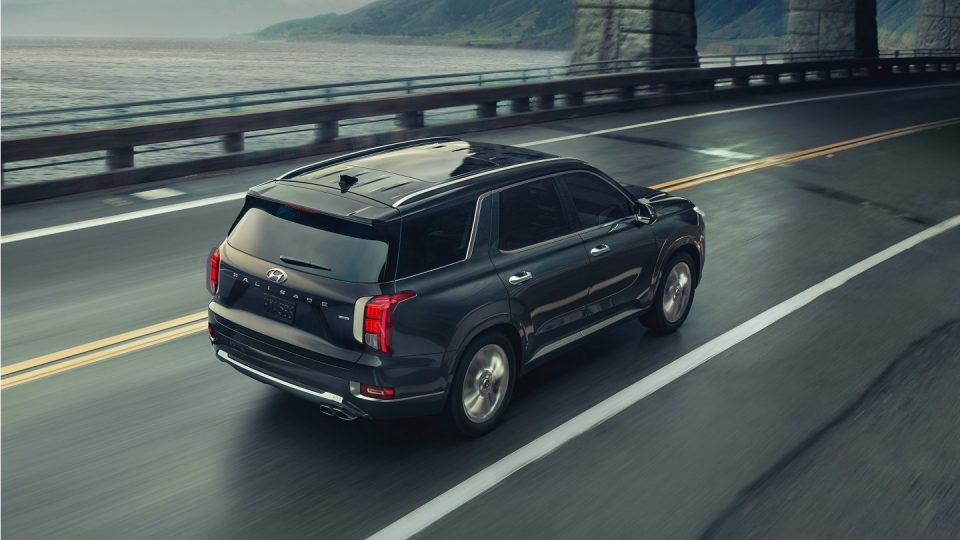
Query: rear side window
x=596 y=202
x=311 y=242
x=435 y=238
x=529 y=214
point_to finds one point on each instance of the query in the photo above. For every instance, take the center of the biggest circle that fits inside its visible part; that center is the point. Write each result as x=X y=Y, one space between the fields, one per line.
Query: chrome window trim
x=481 y=174
x=537 y=245
x=322 y=395
x=476 y=222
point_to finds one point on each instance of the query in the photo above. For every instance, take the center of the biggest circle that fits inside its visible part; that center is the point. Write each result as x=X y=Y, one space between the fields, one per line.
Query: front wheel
x=671 y=305
x=483 y=385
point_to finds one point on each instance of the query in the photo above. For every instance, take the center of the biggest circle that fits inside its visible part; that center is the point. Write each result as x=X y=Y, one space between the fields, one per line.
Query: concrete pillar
x=328 y=131
x=634 y=30
x=120 y=158
x=233 y=142
x=487 y=110
x=832 y=25
x=520 y=105
x=938 y=24
x=410 y=120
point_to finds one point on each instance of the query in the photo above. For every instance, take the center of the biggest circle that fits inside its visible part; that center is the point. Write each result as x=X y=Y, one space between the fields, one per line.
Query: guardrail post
x=233 y=142
x=520 y=105
x=798 y=76
x=546 y=101
x=328 y=131
x=120 y=158
x=487 y=110
x=742 y=81
x=574 y=99
x=772 y=78
x=627 y=92
x=410 y=120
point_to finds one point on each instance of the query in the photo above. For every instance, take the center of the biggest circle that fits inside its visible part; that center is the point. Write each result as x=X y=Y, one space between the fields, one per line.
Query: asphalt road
x=166 y=441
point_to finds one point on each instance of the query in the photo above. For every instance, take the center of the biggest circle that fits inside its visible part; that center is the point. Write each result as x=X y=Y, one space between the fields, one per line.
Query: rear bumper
x=419 y=382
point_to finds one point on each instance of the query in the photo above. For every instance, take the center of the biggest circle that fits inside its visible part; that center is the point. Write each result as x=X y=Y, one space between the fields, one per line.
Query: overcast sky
x=156 y=18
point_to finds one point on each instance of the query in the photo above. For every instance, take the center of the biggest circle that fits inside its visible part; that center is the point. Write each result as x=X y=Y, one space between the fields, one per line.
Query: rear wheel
x=671 y=305
x=483 y=385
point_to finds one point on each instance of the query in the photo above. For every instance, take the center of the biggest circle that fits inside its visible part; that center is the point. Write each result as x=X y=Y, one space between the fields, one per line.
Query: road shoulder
x=889 y=467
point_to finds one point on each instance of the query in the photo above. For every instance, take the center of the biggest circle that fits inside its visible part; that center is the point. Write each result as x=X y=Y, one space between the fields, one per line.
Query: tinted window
x=345 y=250
x=529 y=214
x=596 y=202
x=434 y=239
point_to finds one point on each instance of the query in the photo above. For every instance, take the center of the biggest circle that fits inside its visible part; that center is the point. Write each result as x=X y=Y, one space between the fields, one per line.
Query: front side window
x=435 y=238
x=595 y=201
x=530 y=213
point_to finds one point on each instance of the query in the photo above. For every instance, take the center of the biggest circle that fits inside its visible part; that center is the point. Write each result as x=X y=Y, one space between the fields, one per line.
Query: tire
x=486 y=376
x=671 y=304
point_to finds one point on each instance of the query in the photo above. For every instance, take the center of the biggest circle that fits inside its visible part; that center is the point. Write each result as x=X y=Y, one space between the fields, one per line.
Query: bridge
x=817 y=365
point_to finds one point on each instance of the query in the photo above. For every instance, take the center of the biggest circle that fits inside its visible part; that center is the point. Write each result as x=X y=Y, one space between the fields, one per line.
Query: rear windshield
x=311 y=242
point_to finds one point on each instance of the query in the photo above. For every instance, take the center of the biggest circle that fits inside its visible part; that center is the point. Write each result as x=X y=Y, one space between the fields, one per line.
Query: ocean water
x=40 y=73
x=45 y=73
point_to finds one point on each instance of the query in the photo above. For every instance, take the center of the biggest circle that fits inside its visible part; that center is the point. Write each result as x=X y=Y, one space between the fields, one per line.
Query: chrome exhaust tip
x=344 y=415
x=327 y=410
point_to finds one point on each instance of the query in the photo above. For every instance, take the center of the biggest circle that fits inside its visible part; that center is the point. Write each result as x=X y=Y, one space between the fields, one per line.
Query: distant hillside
x=525 y=23
x=724 y=25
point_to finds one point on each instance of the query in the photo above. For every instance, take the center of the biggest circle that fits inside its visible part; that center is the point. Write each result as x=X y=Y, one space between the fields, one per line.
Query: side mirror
x=646 y=215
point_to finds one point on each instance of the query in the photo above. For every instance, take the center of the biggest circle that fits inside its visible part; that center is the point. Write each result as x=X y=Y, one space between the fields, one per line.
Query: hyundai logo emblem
x=276 y=275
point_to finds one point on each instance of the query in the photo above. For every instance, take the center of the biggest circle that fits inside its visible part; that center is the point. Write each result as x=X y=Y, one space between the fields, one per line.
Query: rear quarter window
x=435 y=238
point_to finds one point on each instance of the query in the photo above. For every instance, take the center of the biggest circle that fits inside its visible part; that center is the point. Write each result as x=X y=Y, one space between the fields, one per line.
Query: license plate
x=278 y=308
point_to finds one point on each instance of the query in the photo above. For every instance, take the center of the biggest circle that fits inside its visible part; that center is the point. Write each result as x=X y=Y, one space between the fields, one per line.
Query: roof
x=393 y=173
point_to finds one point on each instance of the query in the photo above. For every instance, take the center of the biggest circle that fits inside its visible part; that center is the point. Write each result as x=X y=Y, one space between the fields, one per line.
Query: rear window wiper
x=298 y=262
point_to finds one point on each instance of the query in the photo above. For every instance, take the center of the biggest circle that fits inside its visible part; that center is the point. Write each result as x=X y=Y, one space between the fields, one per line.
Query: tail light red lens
x=376 y=392
x=213 y=272
x=378 y=320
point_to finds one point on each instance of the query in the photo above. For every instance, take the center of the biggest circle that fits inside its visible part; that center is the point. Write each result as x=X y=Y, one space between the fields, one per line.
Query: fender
x=471 y=327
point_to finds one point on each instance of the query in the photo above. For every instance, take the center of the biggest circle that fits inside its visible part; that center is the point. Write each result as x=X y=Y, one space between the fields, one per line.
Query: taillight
x=213 y=272
x=378 y=319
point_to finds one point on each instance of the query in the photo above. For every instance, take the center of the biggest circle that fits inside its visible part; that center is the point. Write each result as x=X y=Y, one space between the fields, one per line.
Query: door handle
x=517 y=279
x=599 y=250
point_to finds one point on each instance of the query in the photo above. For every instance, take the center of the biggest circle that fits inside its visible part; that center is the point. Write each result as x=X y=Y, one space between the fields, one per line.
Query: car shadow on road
x=319 y=475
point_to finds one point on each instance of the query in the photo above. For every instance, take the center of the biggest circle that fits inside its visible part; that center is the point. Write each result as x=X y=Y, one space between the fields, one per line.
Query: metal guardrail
x=417 y=114
x=60 y=119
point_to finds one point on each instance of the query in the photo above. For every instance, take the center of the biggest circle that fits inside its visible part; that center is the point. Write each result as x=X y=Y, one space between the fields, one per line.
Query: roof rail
x=427 y=192
x=361 y=153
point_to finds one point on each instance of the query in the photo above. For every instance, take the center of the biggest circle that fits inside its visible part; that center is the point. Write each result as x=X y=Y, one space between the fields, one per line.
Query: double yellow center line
x=792 y=157
x=96 y=351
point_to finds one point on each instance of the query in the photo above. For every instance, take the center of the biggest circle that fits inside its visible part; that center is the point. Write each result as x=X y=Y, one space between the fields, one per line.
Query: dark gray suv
x=426 y=276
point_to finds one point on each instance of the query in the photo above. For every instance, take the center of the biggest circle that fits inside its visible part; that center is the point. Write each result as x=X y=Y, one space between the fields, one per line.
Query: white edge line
x=730 y=111
x=57 y=229
x=442 y=505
